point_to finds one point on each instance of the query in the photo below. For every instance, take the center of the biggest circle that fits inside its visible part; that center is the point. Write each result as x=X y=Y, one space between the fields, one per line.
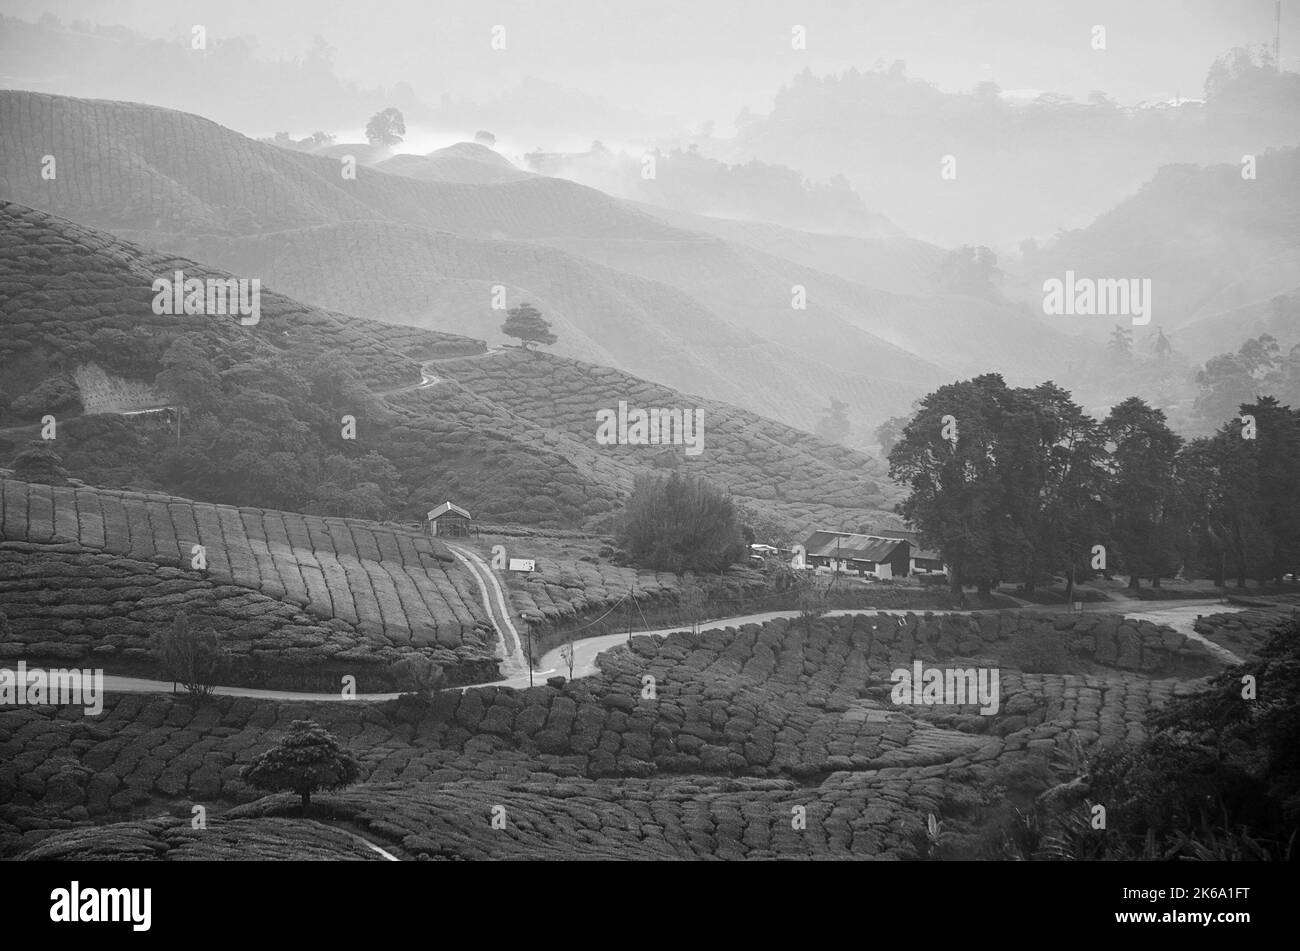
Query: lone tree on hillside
x=306 y=760
x=834 y=424
x=483 y=137
x=40 y=464
x=527 y=324
x=189 y=656
x=680 y=523
x=386 y=127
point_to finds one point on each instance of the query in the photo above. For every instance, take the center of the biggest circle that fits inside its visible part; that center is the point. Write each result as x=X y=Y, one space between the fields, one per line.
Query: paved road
x=428 y=378
x=1180 y=617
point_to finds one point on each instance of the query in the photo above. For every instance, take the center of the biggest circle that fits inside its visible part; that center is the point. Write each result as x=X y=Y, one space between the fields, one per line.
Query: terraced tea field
x=510 y=435
x=92 y=571
x=743 y=728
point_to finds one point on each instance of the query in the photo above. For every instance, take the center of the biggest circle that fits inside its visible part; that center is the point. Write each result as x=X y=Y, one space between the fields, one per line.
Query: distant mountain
x=659 y=301
x=977 y=168
x=1224 y=332
x=688 y=180
x=1215 y=245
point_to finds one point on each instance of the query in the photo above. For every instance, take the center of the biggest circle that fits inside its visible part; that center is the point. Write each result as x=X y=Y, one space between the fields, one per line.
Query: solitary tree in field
x=567 y=655
x=483 y=137
x=526 y=323
x=306 y=760
x=189 y=656
x=386 y=127
x=834 y=424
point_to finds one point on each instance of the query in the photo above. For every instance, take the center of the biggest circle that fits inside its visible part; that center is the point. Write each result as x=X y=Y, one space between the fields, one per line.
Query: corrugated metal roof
x=848 y=545
x=911 y=538
x=446 y=507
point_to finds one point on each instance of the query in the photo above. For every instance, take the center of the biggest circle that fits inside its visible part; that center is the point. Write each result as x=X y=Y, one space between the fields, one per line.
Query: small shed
x=448 y=521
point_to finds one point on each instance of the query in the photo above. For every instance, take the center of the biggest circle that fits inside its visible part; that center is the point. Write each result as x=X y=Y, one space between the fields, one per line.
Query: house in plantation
x=865 y=555
x=448 y=521
x=924 y=561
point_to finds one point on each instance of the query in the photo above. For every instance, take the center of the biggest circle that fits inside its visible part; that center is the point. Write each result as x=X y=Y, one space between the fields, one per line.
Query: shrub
x=680 y=523
x=191 y=657
x=40 y=464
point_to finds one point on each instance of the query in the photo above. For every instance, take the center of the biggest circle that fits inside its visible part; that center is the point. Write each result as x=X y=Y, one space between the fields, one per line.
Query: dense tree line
x=1018 y=483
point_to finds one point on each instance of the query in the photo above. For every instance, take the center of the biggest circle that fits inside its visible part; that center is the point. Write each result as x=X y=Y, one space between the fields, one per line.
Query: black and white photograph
x=650 y=431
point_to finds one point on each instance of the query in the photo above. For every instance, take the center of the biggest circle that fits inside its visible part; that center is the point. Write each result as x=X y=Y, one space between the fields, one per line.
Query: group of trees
x=266 y=432
x=1258 y=366
x=312 y=142
x=680 y=523
x=1018 y=483
x=969 y=270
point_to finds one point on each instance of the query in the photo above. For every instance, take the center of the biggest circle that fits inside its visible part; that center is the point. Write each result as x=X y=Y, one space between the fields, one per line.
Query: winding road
x=1180 y=617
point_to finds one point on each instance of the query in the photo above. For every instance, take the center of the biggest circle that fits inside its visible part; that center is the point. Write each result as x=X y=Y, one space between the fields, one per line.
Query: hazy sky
x=701 y=59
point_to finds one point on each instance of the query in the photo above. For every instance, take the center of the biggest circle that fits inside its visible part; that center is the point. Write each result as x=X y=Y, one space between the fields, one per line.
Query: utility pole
x=1277 y=38
x=629 y=616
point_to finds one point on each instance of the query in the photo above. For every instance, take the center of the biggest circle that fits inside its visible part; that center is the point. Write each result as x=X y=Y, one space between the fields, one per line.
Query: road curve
x=1180 y=617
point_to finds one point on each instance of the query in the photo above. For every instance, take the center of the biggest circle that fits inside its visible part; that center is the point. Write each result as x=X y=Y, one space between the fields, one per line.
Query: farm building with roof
x=852 y=553
x=448 y=521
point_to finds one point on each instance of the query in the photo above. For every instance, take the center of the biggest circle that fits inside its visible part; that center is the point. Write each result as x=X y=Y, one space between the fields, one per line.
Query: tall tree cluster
x=680 y=523
x=1018 y=483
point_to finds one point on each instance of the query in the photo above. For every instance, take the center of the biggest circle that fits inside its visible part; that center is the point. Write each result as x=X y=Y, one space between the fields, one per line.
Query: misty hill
x=158 y=173
x=466 y=162
x=509 y=435
x=687 y=180
x=236 y=85
x=1022 y=169
x=1213 y=244
x=888 y=262
x=1278 y=317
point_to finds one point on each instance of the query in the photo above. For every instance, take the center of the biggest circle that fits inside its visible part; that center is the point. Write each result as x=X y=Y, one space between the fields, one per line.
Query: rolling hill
x=1216 y=247
x=509 y=434
x=467 y=162
x=625 y=286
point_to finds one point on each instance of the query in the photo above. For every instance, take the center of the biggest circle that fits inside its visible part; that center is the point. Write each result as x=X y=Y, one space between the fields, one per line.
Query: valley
x=459 y=450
